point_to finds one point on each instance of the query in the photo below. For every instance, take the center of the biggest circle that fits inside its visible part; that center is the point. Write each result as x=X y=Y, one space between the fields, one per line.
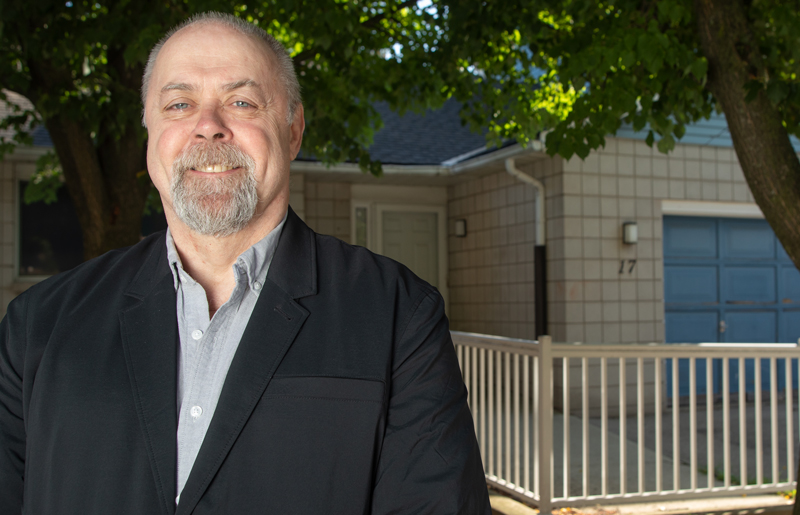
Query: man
x=239 y=363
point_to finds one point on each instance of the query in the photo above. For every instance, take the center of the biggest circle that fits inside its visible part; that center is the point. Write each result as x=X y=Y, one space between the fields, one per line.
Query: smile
x=216 y=168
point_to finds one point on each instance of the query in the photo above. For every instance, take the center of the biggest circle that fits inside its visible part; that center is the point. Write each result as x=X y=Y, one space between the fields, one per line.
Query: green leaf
x=45 y=182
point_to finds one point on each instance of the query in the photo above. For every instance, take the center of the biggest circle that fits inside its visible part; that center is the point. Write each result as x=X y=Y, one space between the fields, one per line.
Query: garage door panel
x=693 y=238
x=751 y=326
x=747 y=239
x=692 y=327
x=695 y=284
x=749 y=284
x=790 y=282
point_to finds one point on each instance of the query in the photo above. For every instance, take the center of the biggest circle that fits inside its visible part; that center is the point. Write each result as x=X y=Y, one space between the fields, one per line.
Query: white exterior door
x=412 y=239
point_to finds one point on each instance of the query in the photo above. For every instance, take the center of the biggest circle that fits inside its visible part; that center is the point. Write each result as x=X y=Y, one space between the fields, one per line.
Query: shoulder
x=113 y=271
x=362 y=267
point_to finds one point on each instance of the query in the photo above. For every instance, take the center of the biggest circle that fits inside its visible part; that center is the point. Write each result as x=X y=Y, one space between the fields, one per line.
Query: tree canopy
x=580 y=69
x=80 y=63
x=577 y=69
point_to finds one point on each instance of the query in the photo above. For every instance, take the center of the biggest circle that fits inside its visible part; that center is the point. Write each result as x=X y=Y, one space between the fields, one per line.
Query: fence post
x=545 y=425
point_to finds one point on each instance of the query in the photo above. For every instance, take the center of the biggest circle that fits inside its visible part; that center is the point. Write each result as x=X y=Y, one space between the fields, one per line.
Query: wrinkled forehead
x=208 y=46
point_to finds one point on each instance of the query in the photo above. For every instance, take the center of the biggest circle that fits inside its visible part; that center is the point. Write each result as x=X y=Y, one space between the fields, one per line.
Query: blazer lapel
x=150 y=342
x=273 y=326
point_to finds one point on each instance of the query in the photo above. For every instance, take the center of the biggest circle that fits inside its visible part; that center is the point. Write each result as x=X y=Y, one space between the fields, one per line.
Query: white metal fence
x=635 y=422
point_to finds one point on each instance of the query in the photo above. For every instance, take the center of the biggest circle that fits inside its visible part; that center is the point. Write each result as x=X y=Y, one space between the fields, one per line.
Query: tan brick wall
x=327 y=208
x=590 y=299
x=12 y=169
x=491 y=269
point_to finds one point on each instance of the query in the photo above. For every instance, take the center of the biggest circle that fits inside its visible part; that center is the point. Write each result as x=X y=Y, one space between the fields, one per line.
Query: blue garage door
x=728 y=280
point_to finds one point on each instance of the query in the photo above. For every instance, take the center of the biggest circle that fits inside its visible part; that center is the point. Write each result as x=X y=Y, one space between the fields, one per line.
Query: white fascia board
x=711 y=208
x=429 y=170
x=350 y=168
x=27 y=152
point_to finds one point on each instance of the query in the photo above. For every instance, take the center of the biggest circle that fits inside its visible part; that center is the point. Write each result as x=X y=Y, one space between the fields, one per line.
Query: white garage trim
x=710 y=208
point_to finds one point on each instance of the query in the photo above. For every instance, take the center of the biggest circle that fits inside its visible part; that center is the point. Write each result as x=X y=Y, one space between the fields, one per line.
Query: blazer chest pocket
x=333 y=389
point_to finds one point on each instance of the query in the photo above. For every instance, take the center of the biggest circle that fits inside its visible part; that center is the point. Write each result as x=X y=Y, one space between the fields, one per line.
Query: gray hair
x=285 y=66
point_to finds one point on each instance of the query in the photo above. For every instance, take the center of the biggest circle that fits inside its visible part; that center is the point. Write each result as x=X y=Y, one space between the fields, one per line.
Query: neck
x=208 y=259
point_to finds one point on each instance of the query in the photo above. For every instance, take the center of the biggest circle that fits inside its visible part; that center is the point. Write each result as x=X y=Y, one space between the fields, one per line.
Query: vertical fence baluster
x=499 y=407
x=742 y=422
x=507 y=408
x=640 y=421
x=676 y=428
x=693 y=421
x=623 y=429
x=585 y=424
x=710 y=422
x=759 y=425
x=726 y=418
x=482 y=400
x=492 y=414
x=789 y=423
x=526 y=399
x=473 y=388
x=604 y=425
x=659 y=429
x=773 y=417
x=537 y=437
x=517 y=450
x=546 y=425
x=565 y=416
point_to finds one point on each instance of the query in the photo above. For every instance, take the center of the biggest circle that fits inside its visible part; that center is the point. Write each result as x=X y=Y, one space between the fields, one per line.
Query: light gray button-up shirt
x=207 y=346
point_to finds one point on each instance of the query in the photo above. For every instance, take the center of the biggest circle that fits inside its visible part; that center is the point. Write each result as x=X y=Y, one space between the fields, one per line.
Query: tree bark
x=101 y=176
x=761 y=142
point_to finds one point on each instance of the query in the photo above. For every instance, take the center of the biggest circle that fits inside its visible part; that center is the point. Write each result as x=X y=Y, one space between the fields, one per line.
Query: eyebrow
x=182 y=86
x=244 y=83
x=179 y=86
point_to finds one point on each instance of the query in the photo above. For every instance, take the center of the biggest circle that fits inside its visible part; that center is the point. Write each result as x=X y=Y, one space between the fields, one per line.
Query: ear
x=297 y=128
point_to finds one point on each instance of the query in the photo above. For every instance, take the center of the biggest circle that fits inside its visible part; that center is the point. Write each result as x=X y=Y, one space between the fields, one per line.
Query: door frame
x=375 y=210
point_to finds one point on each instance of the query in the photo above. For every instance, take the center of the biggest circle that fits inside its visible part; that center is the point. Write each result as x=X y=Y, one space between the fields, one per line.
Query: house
x=520 y=243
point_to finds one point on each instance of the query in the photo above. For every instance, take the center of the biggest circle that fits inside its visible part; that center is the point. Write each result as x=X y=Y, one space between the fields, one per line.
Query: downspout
x=539 y=250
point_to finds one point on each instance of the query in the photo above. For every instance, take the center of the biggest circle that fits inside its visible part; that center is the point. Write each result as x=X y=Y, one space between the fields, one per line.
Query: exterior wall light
x=630 y=233
x=461 y=228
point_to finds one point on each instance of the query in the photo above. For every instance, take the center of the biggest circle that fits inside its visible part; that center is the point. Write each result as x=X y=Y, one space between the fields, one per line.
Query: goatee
x=210 y=205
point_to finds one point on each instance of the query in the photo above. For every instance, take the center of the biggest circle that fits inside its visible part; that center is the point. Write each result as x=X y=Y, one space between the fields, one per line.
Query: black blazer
x=344 y=395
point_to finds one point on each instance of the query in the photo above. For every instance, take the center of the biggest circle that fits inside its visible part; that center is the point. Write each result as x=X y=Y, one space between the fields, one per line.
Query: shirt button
x=256 y=285
x=197 y=334
x=196 y=411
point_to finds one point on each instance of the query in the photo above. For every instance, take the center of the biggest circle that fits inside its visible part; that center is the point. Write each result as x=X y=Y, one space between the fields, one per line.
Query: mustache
x=200 y=156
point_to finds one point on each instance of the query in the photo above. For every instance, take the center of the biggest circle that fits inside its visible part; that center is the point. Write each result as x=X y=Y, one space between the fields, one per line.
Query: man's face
x=219 y=143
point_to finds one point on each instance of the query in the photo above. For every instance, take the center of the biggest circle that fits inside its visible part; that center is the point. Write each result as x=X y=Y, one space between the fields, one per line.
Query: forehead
x=210 y=51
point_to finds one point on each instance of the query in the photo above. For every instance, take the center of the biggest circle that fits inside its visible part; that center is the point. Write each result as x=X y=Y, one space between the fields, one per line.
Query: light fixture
x=461 y=228
x=630 y=233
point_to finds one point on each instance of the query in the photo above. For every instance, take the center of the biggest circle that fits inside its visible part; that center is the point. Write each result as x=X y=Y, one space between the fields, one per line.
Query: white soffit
x=709 y=208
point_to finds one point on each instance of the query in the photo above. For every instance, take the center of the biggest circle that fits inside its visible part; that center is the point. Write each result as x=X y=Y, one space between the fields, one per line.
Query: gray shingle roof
x=427 y=138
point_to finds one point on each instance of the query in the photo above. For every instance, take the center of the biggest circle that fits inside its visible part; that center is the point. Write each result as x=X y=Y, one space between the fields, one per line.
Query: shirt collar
x=254 y=262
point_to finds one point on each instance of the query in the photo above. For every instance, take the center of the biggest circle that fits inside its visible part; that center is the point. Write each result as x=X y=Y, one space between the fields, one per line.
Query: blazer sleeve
x=429 y=460
x=12 y=427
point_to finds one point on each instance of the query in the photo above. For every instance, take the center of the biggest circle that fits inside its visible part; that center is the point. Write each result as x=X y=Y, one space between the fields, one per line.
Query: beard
x=214 y=206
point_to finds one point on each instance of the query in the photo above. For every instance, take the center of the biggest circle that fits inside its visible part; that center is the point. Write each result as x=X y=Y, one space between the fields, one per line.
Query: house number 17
x=628 y=264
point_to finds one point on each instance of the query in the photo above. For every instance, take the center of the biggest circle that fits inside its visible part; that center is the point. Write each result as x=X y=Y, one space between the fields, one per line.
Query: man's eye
x=242 y=103
x=180 y=106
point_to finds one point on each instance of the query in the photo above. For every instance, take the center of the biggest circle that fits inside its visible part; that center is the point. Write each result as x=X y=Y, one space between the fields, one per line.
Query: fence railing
x=577 y=424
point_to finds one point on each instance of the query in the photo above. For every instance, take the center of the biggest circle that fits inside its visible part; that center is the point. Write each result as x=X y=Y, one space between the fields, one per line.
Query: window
x=50 y=237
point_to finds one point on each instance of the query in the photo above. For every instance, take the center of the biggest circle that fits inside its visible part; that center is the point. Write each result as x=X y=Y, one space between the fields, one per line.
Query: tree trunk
x=107 y=198
x=762 y=144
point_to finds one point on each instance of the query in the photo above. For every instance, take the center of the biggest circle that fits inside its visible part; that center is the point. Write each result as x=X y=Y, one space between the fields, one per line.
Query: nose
x=211 y=126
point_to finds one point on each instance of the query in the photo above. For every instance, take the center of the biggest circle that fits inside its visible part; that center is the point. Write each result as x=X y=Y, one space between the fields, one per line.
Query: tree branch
x=369 y=23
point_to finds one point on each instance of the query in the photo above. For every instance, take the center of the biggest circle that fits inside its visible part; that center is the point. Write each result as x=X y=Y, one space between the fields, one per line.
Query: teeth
x=214 y=168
